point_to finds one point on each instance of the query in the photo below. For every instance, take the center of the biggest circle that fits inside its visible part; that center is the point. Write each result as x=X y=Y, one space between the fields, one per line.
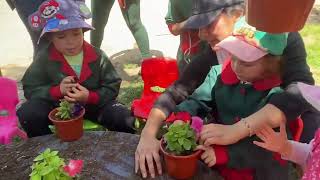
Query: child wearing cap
x=72 y=69
x=249 y=75
x=306 y=155
x=190 y=43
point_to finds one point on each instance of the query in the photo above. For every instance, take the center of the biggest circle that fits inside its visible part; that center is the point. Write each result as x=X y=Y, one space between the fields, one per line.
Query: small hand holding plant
x=67 y=84
x=77 y=94
x=48 y=165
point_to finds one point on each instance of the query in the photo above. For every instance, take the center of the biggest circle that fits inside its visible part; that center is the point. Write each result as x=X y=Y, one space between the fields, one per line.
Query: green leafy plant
x=68 y=110
x=180 y=139
x=48 y=166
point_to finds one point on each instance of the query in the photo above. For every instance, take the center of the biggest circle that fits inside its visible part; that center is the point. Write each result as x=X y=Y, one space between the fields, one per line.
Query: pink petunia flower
x=197 y=124
x=74 y=167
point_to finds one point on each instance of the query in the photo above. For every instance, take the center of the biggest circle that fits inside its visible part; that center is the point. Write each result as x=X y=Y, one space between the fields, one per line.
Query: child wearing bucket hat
x=72 y=69
x=305 y=155
x=248 y=76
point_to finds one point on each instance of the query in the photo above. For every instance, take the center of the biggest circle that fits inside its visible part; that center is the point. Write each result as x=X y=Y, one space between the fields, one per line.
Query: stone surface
x=106 y=155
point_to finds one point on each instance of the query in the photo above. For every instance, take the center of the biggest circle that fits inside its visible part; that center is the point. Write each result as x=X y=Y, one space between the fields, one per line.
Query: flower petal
x=74 y=167
x=197 y=124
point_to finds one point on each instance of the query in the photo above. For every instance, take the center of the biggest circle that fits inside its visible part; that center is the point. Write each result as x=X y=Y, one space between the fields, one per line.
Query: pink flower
x=74 y=167
x=197 y=124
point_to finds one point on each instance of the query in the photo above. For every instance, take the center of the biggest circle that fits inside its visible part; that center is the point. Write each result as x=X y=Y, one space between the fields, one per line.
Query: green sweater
x=42 y=79
x=223 y=93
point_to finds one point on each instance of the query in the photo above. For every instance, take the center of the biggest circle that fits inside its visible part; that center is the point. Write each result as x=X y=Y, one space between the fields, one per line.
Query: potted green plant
x=178 y=146
x=49 y=166
x=276 y=16
x=68 y=120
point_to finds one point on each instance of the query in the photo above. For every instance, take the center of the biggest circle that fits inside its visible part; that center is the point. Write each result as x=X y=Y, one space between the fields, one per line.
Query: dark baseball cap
x=206 y=11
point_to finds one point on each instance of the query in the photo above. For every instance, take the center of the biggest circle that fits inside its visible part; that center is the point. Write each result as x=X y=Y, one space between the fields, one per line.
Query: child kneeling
x=72 y=69
x=249 y=76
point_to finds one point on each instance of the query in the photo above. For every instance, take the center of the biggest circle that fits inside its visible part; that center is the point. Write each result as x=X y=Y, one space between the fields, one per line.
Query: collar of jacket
x=89 y=55
x=229 y=77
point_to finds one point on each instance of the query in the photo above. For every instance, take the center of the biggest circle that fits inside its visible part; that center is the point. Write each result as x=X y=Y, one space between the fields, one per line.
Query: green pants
x=131 y=14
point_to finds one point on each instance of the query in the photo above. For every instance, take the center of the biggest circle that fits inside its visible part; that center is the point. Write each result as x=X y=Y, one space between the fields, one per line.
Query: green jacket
x=178 y=11
x=42 y=79
x=223 y=93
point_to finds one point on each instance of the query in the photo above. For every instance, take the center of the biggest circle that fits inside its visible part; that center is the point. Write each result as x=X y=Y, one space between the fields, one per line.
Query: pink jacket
x=308 y=156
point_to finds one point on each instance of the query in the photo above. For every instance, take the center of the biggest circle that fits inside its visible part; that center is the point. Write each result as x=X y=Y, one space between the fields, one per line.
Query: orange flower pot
x=180 y=167
x=276 y=16
x=69 y=130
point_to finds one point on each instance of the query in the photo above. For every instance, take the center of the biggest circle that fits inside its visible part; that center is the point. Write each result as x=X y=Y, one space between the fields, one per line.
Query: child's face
x=248 y=71
x=219 y=29
x=68 y=42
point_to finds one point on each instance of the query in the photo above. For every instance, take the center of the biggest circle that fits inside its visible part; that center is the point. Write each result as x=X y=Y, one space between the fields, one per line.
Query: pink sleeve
x=300 y=154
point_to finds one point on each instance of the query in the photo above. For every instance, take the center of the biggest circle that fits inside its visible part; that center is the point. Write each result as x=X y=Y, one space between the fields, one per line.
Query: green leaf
x=45 y=170
x=54 y=153
x=187 y=144
x=39 y=158
x=137 y=123
x=33 y=173
x=190 y=134
x=35 y=177
x=181 y=141
x=50 y=176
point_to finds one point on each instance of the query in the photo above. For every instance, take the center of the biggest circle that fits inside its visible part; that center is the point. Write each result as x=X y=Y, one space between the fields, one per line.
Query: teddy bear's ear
x=83 y=9
x=36 y=22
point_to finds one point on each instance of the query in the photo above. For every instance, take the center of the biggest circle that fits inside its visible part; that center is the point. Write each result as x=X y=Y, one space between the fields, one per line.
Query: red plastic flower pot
x=180 y=167
x=69 y=130
x=276 y=16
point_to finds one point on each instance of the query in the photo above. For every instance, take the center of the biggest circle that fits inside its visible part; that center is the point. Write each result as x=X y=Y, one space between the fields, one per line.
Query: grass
x=130 y=91
x=130 y=66
x=311 y=37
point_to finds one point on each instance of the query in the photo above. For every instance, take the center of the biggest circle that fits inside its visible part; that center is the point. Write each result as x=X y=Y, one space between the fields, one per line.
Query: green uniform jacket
x=233 y=100
x=42 y=79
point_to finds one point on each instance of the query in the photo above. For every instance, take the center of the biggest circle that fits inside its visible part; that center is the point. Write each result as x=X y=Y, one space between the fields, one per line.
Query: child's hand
x=274 y=141
x=208 y=156
x=77 y=94
x=67 y=84
x=220 y=134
